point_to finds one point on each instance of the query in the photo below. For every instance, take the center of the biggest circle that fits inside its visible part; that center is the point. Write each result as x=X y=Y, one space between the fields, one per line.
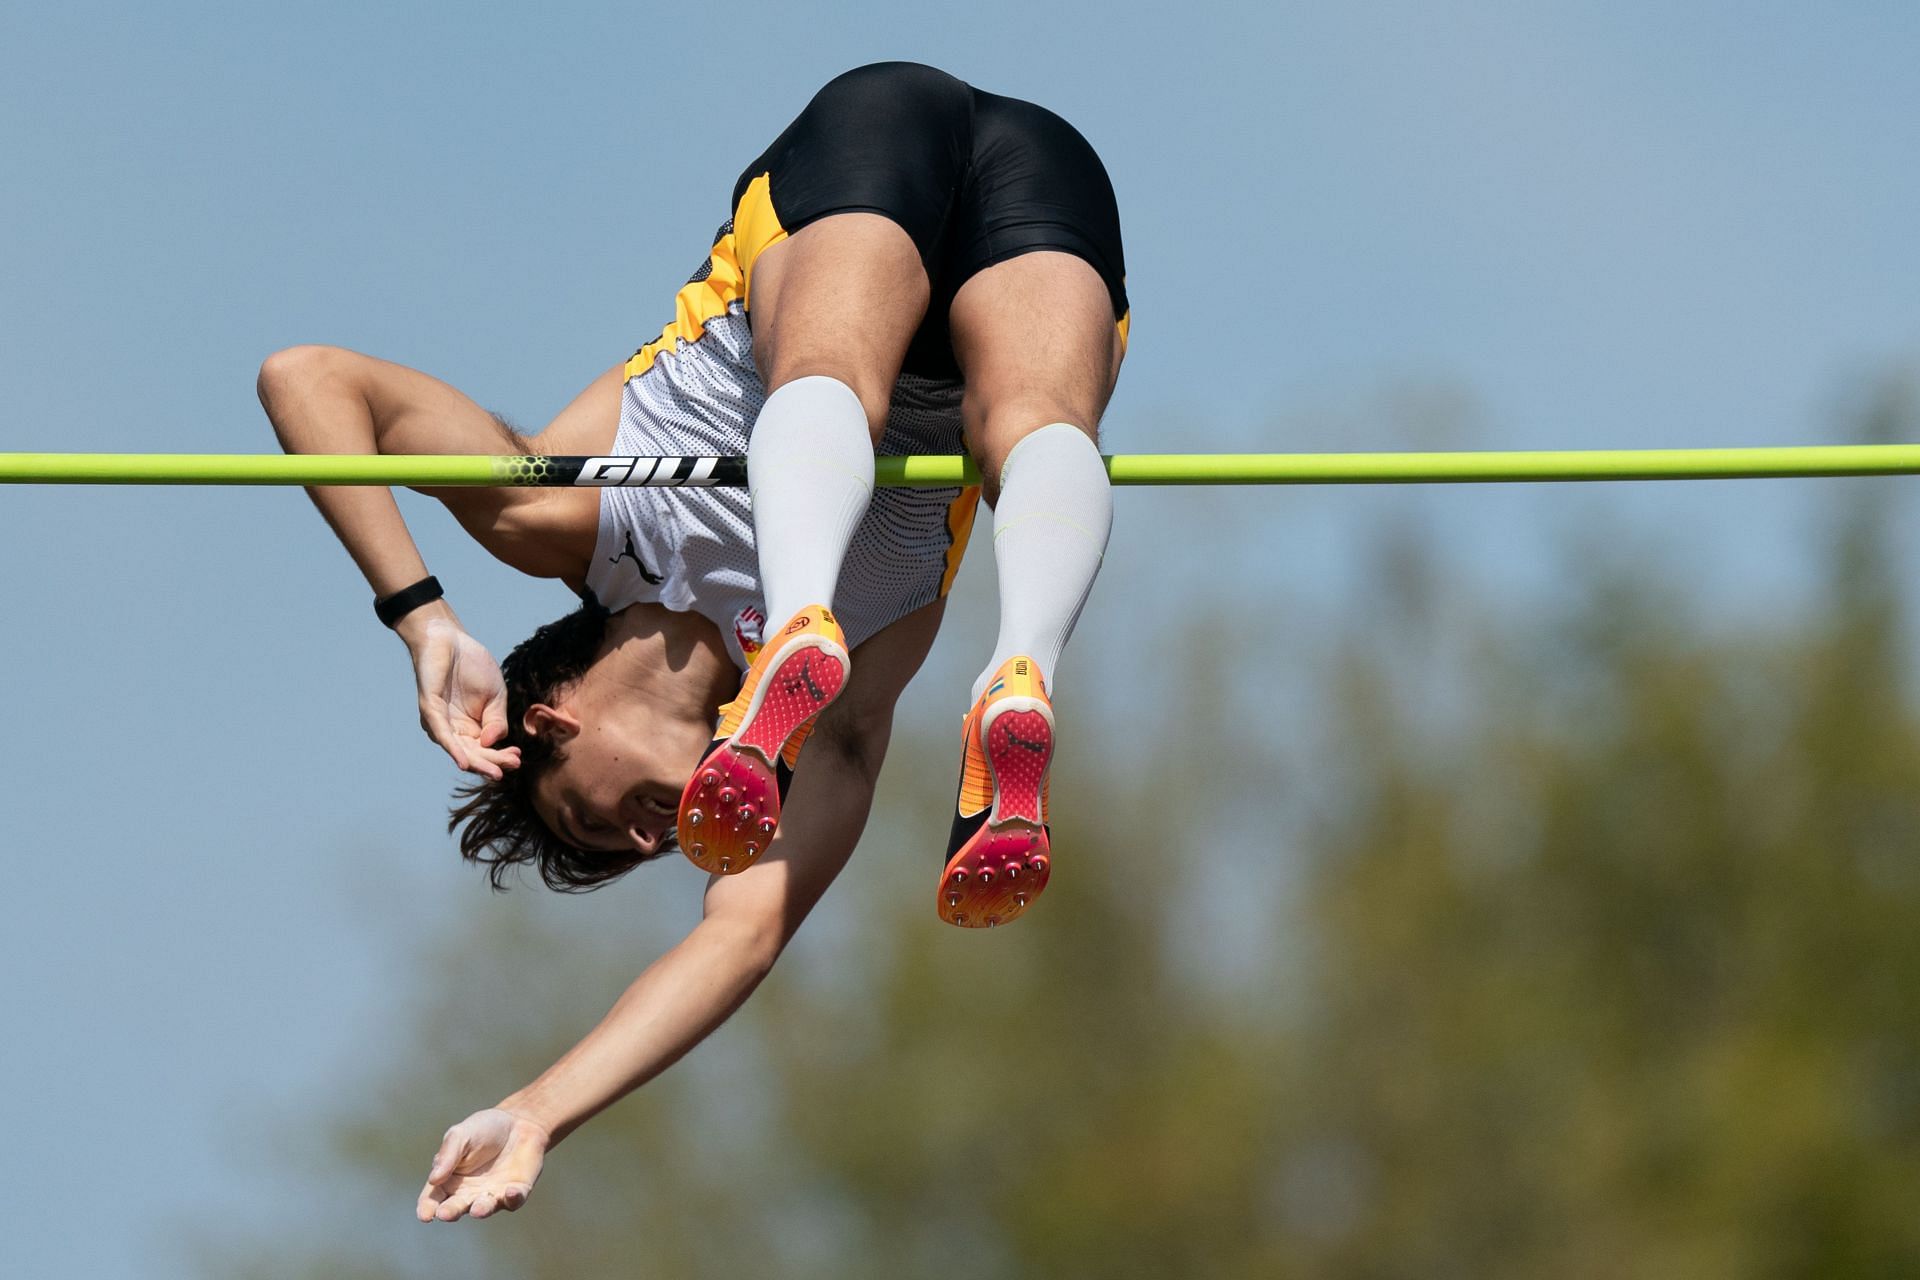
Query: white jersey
x=692 y=548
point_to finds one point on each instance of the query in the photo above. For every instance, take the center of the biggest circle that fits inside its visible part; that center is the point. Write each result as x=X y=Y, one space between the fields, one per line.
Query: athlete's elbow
x=288 y=369
x=289 y=376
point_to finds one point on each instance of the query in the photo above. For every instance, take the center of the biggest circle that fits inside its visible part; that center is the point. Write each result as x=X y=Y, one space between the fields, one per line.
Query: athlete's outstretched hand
x=463 y=700
x=488 y=1161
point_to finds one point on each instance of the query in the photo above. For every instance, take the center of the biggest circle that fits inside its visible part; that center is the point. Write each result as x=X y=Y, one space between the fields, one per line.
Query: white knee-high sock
x=1049 y=533
x=810 y=477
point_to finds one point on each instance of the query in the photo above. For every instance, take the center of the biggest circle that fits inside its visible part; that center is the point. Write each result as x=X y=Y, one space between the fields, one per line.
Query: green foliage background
x=1588 y=947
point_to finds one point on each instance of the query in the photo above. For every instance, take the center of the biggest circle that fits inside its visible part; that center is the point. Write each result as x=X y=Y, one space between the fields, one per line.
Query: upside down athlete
x=914 y=266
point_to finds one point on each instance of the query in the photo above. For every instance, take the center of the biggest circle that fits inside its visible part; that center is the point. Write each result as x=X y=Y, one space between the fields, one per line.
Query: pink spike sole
x=1002 y=870
x=730 y=809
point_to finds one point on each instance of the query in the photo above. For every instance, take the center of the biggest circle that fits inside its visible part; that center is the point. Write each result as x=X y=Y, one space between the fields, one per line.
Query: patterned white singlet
x=692 y=548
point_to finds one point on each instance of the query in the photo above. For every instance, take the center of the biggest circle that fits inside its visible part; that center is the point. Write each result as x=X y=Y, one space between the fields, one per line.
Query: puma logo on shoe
x=1038 y=748
x=813 y=690
x=803 y=679
x=652 y=578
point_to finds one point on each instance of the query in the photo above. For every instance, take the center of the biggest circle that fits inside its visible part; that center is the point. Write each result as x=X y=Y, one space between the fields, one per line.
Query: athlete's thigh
x=840 y=297
x=1036 y=342
x=852 y=200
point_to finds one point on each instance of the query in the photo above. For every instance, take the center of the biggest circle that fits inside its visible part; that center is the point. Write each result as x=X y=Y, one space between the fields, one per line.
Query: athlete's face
x=616 y=787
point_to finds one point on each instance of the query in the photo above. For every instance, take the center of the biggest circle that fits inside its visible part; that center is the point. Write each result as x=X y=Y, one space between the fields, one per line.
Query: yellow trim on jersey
x=960 y=513
x=756 y=228
x=729 y=278
x=1126 y=322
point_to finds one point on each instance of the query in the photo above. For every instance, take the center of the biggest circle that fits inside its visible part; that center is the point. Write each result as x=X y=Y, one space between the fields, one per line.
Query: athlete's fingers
x=429 y=1202
x=467 y=751
x=490 y=741
x=513 y=1195
x=483 y=1204
x=489 y=762
x=453 y=1201
x=479 y=761
x=452 y=1147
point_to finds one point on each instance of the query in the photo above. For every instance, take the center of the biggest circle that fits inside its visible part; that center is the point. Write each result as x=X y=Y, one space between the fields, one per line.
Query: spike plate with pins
x=999 y=879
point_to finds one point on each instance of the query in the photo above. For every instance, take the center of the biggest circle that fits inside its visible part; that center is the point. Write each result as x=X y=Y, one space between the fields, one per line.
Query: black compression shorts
x=973 y=177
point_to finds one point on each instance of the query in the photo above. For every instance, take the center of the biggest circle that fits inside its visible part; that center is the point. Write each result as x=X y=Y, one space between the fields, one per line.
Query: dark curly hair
x=501 y=828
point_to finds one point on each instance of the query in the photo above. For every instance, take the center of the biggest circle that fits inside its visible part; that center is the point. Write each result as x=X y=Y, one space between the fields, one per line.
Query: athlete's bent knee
x=993 y=430
x=875 y=398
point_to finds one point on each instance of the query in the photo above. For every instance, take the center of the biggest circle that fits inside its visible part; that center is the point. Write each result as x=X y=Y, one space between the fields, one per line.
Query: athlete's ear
x=542 y=720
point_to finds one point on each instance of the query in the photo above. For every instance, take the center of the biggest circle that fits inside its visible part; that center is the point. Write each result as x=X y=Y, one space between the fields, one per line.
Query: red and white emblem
x=749 y=628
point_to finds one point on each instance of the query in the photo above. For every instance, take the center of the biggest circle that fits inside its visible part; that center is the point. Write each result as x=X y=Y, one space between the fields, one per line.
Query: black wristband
x=391 y=609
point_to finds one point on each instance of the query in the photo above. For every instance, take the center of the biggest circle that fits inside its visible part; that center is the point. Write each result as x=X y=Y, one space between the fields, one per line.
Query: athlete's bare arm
x=490 y=1160
x=329 y=400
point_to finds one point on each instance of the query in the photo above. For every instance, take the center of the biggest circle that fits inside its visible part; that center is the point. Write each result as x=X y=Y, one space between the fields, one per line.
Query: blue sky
x=1365 y=225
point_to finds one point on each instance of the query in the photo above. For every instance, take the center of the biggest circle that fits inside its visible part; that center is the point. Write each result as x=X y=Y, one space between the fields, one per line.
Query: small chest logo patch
x=749 y=628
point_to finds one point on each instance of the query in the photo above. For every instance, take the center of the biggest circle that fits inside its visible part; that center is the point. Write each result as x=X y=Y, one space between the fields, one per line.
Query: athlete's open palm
x=488 y=1161
x=463 y=699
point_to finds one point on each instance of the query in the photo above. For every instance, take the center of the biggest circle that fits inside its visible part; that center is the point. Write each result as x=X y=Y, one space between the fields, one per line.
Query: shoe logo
x=1020 y=666
x=800 y=623
x=653 y=579
x=1038 y=748
x=804 y=680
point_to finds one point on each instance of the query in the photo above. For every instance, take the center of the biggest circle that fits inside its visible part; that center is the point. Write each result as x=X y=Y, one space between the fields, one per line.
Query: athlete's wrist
x=526 y=1107
x=420 y=622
